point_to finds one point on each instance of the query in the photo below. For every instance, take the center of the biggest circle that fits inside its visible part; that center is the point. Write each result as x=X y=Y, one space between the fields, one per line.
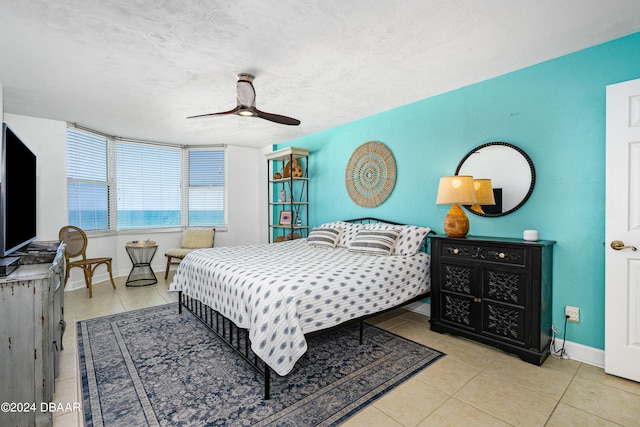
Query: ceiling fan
x=247 y=104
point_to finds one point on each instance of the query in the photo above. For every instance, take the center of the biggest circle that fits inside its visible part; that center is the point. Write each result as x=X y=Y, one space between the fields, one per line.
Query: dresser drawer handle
x=501 y=255
x=455 y=251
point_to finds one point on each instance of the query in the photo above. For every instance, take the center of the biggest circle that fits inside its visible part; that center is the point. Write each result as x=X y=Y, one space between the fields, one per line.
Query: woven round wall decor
x=371 y=174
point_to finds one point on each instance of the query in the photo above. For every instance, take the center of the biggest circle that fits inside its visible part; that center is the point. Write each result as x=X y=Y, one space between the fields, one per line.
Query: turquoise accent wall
x=554 y=111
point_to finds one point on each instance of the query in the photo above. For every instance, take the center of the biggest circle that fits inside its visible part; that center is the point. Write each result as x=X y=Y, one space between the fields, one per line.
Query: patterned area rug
x=155 y=367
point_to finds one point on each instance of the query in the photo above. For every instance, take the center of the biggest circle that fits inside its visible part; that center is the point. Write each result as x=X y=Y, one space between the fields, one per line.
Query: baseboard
x=103 y=276
x=575 y=351
x=582 y=353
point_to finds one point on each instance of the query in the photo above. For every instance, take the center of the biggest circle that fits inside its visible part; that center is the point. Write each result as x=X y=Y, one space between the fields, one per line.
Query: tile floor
x=473 y=385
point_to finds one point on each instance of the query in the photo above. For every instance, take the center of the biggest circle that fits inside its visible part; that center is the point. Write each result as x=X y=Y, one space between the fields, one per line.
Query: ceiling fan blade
x=232 y=111
x=277 y=118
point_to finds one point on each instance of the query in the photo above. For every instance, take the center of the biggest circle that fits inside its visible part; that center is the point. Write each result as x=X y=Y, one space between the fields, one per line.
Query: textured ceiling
x=138 y=68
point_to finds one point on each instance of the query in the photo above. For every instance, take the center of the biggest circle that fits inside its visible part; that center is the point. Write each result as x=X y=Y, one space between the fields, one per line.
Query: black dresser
x=494 y=290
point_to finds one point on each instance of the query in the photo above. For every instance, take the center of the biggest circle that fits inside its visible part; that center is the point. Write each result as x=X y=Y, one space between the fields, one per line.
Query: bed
x=263 y=299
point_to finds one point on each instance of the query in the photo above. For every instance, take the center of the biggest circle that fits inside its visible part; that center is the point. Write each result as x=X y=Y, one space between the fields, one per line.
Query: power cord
x=562 y=353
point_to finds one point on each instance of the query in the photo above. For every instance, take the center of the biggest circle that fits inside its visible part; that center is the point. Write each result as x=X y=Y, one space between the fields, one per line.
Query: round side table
x=141 y=253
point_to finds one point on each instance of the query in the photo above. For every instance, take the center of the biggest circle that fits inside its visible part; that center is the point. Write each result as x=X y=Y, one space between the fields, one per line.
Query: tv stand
x=31 y=326
x=8 y=265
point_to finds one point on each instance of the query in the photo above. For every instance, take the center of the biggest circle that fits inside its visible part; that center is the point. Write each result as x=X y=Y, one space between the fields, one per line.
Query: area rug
x=155 y=367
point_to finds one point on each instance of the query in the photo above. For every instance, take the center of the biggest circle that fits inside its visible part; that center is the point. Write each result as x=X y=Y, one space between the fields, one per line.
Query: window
x=87 y=180
x=116 y=184
x=207 y=189
x=148 y=186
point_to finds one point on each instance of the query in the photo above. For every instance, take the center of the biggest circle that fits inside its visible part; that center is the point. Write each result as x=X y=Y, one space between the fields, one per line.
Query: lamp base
x=456 y=223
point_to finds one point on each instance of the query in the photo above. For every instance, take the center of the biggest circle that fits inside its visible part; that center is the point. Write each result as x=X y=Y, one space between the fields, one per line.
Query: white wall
x=246 y=182
x=263 y=207
x=47 y=139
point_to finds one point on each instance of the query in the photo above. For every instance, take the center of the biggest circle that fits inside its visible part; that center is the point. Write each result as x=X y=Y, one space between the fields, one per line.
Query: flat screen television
x=17 y=193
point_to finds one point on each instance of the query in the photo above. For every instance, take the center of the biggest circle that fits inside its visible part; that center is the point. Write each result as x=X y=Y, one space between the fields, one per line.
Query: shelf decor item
x=285 y=217
x=371 y=174
x=455 y=191
x=293 y=169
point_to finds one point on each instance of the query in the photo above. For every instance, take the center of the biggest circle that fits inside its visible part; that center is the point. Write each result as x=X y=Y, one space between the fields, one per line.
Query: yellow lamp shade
x=484 y=191
x=456 y=189
x=484 y=194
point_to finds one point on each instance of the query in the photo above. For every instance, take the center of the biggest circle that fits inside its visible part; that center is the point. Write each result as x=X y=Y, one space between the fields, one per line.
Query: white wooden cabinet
x=31 y=330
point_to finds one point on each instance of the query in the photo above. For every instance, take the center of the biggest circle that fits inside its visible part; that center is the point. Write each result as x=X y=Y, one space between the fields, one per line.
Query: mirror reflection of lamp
x=484 y=194
x=456 y=190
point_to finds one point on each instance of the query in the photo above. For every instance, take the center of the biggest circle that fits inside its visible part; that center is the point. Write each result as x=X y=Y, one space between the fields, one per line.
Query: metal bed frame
x=238 y=338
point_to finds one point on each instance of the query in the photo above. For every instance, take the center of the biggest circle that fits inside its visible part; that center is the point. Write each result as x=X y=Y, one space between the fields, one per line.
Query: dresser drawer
x=501 y=254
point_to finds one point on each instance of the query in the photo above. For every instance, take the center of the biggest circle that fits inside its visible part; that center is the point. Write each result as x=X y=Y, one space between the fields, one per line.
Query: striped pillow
x=324 y=237
x=349 y=231
x=410 y=239
x=374 y=242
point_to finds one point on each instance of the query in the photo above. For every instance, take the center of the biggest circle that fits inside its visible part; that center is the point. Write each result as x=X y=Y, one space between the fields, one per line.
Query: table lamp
x=456 y=190
x=484 y=194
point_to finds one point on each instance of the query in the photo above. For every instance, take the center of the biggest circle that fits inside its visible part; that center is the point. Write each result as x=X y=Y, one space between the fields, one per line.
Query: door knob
x=618 y=245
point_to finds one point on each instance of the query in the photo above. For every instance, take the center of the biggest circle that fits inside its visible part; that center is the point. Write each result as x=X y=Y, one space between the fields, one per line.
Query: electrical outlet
x=573 y=313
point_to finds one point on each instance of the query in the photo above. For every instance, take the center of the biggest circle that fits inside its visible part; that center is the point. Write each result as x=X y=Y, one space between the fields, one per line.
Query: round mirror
x=511 y=172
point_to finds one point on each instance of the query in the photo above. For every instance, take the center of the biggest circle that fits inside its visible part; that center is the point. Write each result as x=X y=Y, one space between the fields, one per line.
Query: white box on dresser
x=31 y=329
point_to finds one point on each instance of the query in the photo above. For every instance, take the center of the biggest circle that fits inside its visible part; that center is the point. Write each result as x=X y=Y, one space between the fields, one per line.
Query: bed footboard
x=235 y=337
x=238 y=338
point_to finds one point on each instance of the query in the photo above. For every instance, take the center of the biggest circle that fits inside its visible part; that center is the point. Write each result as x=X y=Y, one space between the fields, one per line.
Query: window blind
x=207 y=188
x=148 y=185
x=87 y=180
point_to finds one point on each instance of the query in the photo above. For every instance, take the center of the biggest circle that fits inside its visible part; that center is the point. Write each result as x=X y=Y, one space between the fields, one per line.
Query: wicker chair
x=192 y=239
x=76 y=245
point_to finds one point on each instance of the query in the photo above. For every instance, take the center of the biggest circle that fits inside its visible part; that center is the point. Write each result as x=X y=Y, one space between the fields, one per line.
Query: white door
x=622 y=294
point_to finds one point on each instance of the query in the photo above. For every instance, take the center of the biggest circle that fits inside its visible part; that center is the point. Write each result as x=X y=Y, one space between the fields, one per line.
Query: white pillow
x=324 y=237
x=382 y=226
x=410 y=240
x=374 y=242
